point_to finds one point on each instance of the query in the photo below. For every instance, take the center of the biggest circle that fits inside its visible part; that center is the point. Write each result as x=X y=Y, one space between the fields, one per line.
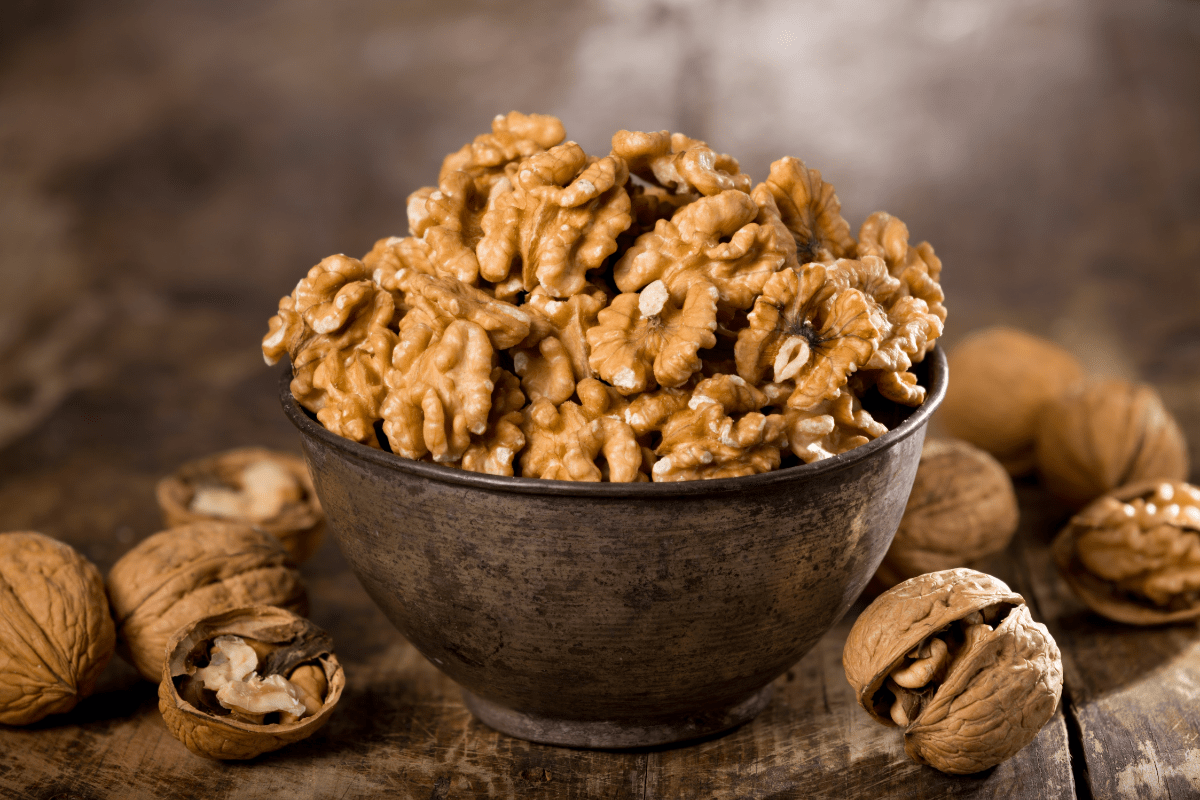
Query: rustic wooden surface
x=168 y=170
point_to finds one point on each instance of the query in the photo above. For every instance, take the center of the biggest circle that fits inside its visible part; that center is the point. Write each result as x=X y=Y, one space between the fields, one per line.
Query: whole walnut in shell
x=195 y=571
x=248 y=681
x=954 y=658
x=1002 y=380
x=1133 y=555
x=1106 y=434
x=263 y=488
x=962 y=508
x=55 y=631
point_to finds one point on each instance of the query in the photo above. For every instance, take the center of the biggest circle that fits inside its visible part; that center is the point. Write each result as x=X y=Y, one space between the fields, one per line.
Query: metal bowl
x=616 y=615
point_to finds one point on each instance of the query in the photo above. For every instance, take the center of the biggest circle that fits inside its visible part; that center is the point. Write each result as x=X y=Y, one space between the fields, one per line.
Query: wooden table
x=168 y=170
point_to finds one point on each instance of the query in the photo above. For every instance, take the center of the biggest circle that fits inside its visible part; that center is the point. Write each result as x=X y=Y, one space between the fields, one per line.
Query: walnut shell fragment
x=56 y=634
x=1002 y=380
x=263 y=488
x=1106 y=434
x=1133 y=555
x=962 y=508
x=954 y=658
x=179 y=575
x=290 y=650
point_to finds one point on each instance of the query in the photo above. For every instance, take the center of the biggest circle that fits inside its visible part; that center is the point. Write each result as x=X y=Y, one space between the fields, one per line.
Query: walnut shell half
x=287 y=644
x=954 y=658
x=243 y=485
x=190 y=572
x=1133 y=555
x=55 y=631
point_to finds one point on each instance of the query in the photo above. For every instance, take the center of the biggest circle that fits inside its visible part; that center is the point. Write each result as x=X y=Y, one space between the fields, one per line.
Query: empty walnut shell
x=955 y=658
x=287 y=640
x=1002 y=379
x=191 y=572
x=962 y=509
x=298 y=521
x=1106 y=434
x=1133 y=555
x=56 y=634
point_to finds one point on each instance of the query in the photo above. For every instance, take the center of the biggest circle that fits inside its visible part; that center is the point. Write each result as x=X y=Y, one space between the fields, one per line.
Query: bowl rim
x=312 y=430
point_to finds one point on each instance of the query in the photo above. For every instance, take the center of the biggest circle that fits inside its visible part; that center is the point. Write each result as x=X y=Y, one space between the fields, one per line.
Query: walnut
x=962 y=509
x=494 y=450
x=955 y=659
x=560 y=219
x=439 y=390
x=514 y=136
x=564 y=442
x=811 y=211
x=56 y=634
x=918 y=268
x=678 y=164
x=443 y=300
x=193 y=571
x=804 y=334
x=446 y=222
x=248 y=681
x=827 y=429
x=1133 y=555
x=704 y=441
x=546 y=371
x=264 y=488
x=568 y=321
x=1002 y=380
x=730 y=240
x=644 y=339
x=1106 y=434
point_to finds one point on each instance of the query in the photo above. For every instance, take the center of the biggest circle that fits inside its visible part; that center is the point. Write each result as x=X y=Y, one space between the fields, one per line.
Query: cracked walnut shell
x=263 y=488
x=56 y=634
x=1106 y=434
x=1133 y=555
x=954 y=658
x=962 y=509
x=293 y=684
x=179 y=575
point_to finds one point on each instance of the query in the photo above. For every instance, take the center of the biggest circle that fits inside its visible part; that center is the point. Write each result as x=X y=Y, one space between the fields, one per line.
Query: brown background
x=169 y=169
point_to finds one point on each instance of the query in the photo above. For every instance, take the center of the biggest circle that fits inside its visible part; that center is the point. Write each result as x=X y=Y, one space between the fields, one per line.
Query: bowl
x=616 y=615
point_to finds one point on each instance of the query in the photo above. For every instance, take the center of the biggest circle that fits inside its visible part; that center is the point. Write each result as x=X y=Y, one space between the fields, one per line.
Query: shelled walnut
x=1003 y=378
x=647 y=271
x=56 y=634
x=962 y=508
x=248 y=681
x=1106 y=434
x=954 y=658
x=190 y=572
x=1133 y=555
x=264 y=488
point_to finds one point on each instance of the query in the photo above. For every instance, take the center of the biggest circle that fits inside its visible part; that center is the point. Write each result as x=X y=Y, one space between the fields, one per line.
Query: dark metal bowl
x=616 y=615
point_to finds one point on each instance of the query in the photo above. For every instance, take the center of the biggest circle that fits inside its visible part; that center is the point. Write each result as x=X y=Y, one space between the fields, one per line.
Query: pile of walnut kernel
x=647 y=315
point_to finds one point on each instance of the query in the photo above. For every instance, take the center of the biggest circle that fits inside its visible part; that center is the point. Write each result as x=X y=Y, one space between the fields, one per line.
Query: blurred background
x=168 y=170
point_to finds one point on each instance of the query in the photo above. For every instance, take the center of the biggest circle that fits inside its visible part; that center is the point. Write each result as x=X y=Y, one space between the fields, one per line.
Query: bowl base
x=608 y=735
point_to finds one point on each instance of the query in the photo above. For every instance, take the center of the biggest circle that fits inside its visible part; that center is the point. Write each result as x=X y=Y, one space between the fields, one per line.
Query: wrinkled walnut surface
x=179 y=575
x=954 y=658
x=962 y=508
x=251 y=485
x=293 y=657
x=1002 y=380
x=637 y=274
x=1105 y=434
x=1133 y=555
x=56 y=634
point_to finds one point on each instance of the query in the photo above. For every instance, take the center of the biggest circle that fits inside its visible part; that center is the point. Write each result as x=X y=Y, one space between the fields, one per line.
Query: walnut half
x=954 y=658
x=247 y=682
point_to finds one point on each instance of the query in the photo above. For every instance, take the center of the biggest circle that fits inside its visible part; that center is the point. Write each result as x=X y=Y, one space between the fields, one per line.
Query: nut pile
x=646 y=315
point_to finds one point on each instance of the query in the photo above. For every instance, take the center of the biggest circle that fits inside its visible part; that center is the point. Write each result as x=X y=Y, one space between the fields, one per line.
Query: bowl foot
x=606 y=734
